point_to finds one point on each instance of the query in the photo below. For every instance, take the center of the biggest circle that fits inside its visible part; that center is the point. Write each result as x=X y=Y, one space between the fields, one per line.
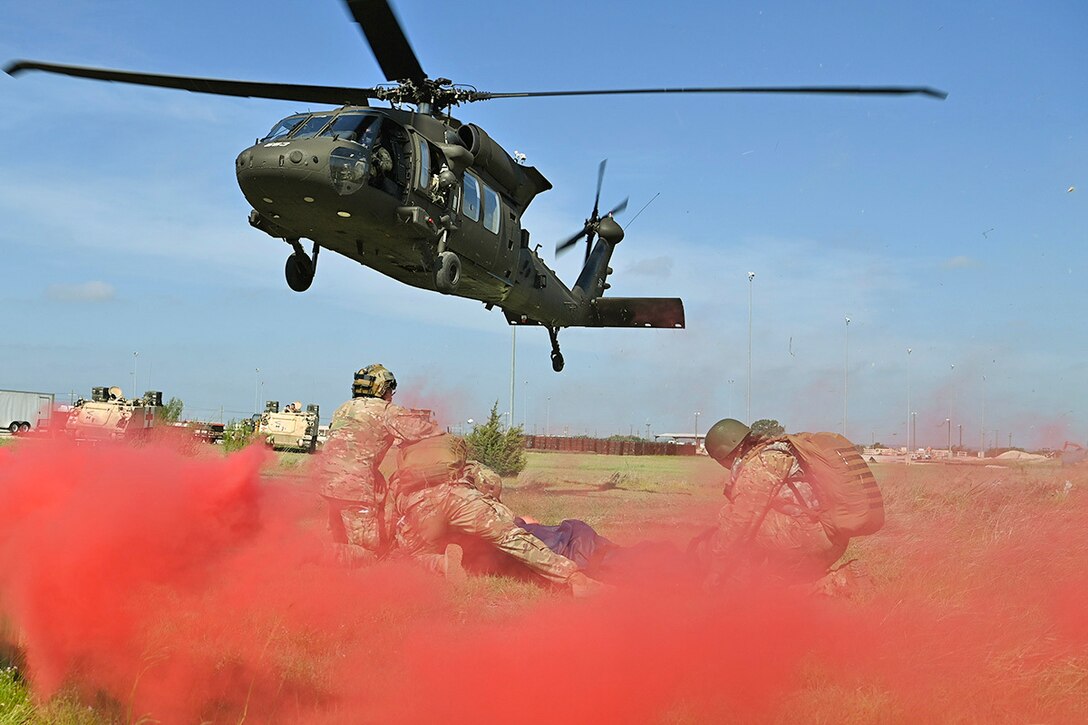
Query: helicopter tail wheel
x=299 y=271
x=557 y=357
x=448 y=274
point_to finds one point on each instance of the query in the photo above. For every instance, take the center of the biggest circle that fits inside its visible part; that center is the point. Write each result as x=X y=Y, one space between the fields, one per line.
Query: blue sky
x=944 y=227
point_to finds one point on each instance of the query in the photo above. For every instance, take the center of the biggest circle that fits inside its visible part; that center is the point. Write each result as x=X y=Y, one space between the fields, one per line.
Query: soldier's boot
x=452 y=568
x=582 y=587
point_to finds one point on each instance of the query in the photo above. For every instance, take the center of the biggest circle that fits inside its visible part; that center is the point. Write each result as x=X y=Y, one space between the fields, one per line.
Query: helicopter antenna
x=651 y=201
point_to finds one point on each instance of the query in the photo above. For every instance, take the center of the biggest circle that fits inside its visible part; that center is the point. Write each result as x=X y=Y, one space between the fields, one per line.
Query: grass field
x=974 y=612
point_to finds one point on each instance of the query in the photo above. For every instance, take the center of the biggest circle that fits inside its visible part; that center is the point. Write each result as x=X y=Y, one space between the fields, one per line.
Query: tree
x=503 y=451
x=767 y=428
x=171 y=410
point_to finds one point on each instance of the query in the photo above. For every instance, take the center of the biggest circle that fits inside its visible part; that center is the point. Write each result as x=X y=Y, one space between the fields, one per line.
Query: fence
x=607 y=447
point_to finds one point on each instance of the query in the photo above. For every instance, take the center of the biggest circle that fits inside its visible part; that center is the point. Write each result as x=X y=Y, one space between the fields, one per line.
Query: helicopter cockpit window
x=312 y=126
x=491 y=209
x=350 y=126
x=470 y=205
x=284 y=127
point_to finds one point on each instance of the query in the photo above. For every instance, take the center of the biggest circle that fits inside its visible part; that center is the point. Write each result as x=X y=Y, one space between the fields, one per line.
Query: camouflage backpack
x=850 y=501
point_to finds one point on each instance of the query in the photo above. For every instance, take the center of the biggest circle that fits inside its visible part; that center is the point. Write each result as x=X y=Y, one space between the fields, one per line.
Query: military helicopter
x=417 y=195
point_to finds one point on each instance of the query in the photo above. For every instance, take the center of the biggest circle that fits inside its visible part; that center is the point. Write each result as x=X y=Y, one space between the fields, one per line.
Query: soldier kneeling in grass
x=794 y=503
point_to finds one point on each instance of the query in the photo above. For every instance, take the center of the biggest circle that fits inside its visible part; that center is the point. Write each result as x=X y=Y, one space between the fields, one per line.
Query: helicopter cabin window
x=312 y=126
x=424 y=163
x=284 y=127
x=350 y=126
x=491 y=209
x=470 y=204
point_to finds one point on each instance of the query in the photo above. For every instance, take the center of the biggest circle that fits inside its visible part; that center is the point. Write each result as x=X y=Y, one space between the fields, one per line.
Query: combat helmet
x=724 y=437
x=373 y=381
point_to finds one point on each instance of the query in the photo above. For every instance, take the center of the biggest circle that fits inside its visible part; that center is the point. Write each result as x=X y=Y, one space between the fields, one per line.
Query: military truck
x=292 y=429
x=108 y=415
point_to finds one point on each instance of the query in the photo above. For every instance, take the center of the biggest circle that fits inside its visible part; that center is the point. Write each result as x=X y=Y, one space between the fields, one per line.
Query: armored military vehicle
x=108 y=415
x=292 y=429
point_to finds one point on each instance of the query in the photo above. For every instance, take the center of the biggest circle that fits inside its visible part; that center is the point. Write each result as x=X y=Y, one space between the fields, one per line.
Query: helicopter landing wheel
x=299 y=271
x=557 y=357
x=448 y=274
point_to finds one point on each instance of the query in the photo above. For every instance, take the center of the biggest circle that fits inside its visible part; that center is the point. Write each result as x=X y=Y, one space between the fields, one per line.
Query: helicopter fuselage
x=392 y=189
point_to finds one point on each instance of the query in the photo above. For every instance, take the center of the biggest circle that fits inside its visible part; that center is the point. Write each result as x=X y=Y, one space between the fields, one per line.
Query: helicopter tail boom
x=637 y=312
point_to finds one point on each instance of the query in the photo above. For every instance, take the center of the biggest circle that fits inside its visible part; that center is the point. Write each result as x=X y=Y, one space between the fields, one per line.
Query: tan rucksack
x=850 y=501
x=429 y=462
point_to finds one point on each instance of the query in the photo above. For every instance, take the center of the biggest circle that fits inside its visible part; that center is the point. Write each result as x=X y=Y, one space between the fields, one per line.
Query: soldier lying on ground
x=794 y=502
x=430 y=497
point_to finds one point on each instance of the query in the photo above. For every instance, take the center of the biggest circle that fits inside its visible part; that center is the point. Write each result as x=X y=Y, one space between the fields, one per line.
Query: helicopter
x=422 y=197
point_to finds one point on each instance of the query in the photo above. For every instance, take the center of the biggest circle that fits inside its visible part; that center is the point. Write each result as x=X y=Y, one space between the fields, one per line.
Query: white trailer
x=21 y=410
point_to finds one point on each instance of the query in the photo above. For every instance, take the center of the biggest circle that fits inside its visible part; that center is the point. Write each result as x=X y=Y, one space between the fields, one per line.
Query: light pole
x=982 y=421
x=257 y=390
x=846 y=379
x=748 y=414
x=731 y=398
x=647 y=430
x=914 y=430
x=135 y=383
x=513 y=358
x=696 y=429
x=948 y=421
x=909 y=405
x=548 y=417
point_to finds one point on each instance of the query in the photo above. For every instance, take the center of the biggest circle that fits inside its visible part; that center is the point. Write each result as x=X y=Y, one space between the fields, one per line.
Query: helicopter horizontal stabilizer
x=638 y=312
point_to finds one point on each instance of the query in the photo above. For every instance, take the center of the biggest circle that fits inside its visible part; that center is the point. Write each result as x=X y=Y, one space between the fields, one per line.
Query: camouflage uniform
x=429 y=517
x=767 y=523
x=360 y=434
x=483 y=479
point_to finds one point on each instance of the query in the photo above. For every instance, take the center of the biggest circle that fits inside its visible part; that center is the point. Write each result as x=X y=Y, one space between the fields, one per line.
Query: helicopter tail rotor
x=592 y=227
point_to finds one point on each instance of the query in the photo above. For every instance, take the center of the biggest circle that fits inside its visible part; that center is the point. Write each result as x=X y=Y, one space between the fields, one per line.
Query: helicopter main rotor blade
x=387 y=39
x=822 y=90
x=332 y=95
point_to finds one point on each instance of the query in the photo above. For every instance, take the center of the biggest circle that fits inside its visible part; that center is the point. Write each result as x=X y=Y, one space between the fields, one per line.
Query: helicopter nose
x=271 y=162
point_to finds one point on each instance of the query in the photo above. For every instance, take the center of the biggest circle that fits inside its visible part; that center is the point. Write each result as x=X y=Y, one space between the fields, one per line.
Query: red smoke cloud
x=195 y=589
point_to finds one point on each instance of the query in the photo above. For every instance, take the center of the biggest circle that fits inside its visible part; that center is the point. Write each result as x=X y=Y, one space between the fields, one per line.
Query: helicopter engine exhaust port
x=448 y=274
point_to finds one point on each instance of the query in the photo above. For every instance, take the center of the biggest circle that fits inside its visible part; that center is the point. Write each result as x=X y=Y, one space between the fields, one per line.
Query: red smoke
x=193 y=589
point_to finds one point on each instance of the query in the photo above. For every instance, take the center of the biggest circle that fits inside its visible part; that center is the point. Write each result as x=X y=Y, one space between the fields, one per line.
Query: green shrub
x=171 y=410
x=501 y=450
x=238 y=434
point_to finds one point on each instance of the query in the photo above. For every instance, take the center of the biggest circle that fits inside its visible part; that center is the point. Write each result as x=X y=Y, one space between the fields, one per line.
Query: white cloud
x=81 y=292
x=961 y=262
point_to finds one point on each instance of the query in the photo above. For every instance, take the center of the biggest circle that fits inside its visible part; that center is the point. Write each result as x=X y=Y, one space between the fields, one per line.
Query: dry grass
x=955 y=577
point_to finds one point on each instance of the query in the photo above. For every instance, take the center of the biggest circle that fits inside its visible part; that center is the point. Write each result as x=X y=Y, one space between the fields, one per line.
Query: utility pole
x=696 y=429
x=748 y=414
x=135 y=383
x=949 y=422
x=908 y=405
x=257 y=390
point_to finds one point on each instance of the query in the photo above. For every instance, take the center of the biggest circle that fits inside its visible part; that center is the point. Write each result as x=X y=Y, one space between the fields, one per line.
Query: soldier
x=794 y=501
x=435 y=495
x=360 y=434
